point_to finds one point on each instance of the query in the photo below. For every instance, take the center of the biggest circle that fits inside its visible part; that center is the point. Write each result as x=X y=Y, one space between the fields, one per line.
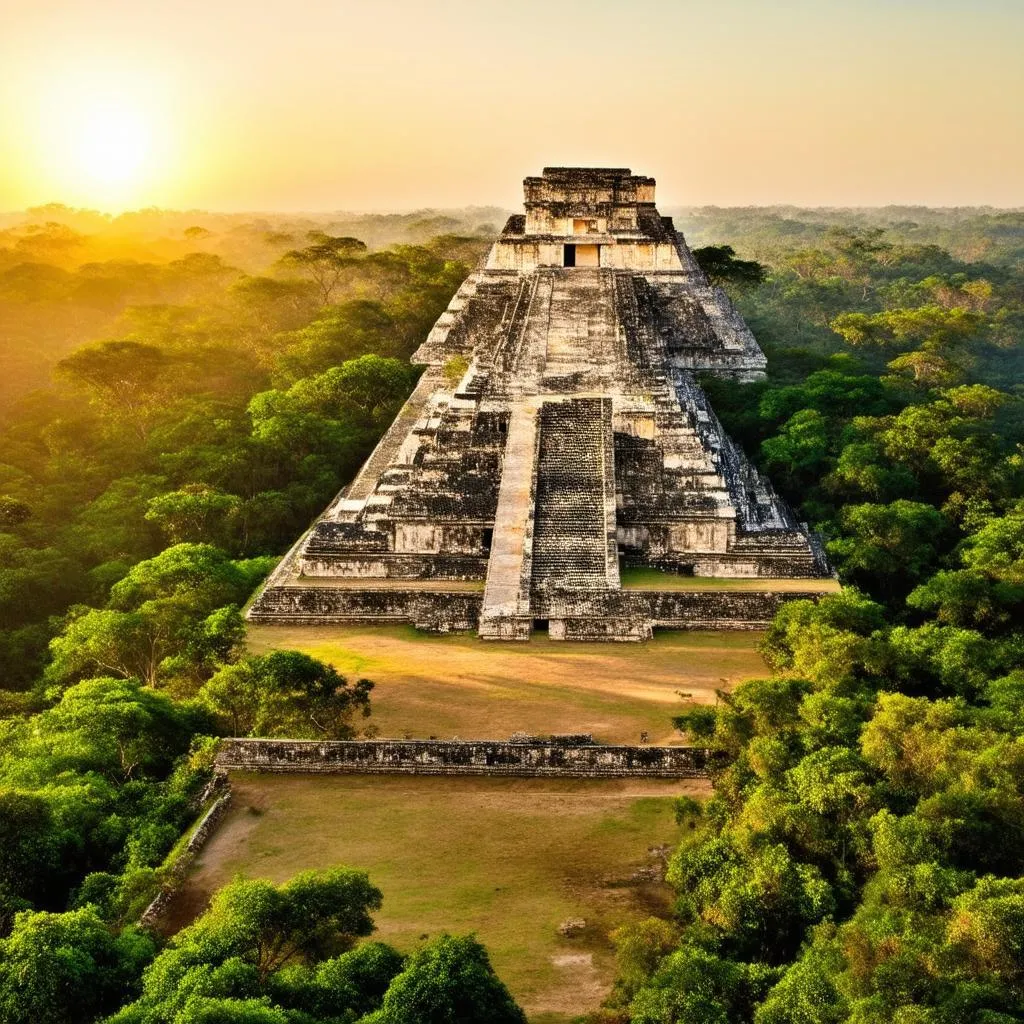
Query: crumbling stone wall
x=572 y=614
x=675 y=609
x=220 y=788
x=541 y=758
x=432 y=611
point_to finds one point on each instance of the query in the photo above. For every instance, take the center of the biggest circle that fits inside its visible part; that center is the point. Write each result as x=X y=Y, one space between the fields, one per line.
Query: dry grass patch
x=459 y=685
x=509 y=859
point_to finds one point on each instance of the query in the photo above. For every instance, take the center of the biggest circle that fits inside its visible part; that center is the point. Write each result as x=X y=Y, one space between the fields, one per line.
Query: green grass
x=508 y=859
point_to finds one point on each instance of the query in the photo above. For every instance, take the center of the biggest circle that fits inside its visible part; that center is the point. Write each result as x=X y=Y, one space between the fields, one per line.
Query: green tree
x=31 y=844
x=251 y=932
x=987 y=930
x=345 y=986
x=807 y=992
x=639 y=948
x=339 y=333
x=759 y=902
x=936 y=328
x=997 y=549
x=195 y=513
x=285 y=693
x=449 y=980
x=863 y=471
x=13 y=511
x=126 y=377
x=126 y=644
x=324 y=260
x=966 y=597
x=116 y=727
x=888 y=546
x=722 y=267
x=693 y=984
x=369 y=390
x=801 y=451
x=832 y=642
x=175 y=614
x=68 y=967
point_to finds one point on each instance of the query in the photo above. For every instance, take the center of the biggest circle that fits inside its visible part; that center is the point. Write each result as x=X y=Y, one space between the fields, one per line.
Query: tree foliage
x=859 y=861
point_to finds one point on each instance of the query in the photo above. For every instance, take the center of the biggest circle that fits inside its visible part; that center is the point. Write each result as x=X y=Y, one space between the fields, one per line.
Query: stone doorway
x=581 y=255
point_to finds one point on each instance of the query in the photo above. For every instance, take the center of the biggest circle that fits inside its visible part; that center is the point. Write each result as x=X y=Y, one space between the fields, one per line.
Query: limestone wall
x=468 y=757
x=397 y=566
x=434 y=611
x=572 y=615
x=674 y=609
x=528 y=254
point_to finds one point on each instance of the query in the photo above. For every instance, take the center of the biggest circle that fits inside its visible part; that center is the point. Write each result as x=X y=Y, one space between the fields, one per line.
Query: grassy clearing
x=646 y=578
x=506 y=858
x=459 y=685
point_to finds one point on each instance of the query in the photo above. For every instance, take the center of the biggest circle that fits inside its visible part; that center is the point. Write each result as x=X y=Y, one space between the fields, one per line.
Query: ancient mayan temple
x=556 y=441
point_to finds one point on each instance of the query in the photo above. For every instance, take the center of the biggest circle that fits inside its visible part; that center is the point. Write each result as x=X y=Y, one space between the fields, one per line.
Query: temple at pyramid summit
x=558 y=468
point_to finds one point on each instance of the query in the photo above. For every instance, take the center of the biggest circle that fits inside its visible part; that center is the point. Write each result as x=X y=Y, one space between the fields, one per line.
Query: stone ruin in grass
x=576 y=443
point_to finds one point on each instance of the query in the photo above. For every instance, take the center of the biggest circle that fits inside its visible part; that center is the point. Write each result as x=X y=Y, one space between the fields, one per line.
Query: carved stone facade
x=576 y=442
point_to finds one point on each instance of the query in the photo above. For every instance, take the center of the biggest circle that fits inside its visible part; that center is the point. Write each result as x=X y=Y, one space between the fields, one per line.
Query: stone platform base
x=614 y=615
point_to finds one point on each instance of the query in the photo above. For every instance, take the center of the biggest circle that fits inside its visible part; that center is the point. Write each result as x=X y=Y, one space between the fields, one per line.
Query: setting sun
x=112 y=145
x=105 y=135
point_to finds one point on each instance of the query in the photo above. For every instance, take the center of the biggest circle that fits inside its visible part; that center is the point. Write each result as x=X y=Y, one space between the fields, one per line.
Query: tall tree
x=324 y=260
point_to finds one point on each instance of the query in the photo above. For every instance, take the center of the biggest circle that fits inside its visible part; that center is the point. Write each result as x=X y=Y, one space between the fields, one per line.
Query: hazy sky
x=310 y=104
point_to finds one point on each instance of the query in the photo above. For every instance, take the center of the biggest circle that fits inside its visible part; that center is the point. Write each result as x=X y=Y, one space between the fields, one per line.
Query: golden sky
x=396 y=104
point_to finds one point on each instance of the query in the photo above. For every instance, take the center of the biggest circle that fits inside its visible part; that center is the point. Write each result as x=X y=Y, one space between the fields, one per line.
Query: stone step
x=506 y=603
x=574 y=522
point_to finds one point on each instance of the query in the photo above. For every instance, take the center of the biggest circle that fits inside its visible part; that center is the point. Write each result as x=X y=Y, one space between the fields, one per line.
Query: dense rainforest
x=862 y=857
x=185 y=392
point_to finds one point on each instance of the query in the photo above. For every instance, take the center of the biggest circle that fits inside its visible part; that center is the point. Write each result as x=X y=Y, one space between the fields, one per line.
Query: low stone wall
x=462 y=757
x=668 y=609
x=196 y=841
x=432 y=611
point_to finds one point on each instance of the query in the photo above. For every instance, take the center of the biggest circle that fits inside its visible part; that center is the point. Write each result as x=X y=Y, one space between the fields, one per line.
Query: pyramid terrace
x=570 y=476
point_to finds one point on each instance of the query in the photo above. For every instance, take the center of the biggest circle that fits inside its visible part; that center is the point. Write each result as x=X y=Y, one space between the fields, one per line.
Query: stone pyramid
x=556 y=443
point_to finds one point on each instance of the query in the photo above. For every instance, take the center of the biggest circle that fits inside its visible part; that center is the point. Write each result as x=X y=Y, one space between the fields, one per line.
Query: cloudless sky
x=394 y=104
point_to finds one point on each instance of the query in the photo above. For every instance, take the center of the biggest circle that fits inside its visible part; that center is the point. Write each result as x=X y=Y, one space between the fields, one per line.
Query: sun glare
x=111 y=145
x=103 y=138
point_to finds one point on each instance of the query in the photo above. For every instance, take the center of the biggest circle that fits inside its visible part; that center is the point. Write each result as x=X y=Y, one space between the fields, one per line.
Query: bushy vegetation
x=262 y=954
x=860 y=860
